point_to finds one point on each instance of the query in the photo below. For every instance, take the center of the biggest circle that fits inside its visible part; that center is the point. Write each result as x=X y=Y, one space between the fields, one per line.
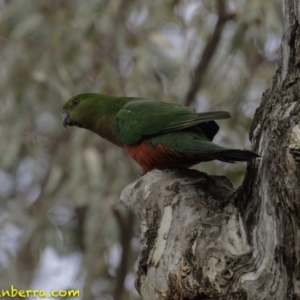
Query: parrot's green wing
x=186 y=142
x=145 y=118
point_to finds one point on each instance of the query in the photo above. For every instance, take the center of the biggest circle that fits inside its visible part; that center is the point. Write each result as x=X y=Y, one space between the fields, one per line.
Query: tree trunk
x=204 y=240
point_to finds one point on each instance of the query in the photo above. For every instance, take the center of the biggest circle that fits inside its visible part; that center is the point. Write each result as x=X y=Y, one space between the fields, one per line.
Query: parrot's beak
x=66 y=119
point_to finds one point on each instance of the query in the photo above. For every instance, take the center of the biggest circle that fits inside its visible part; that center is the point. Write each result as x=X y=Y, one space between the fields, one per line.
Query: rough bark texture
x=194 y=240
x=204 y=240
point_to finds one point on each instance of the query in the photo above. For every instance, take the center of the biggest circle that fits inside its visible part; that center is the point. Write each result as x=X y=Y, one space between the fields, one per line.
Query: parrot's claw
x=140 y=174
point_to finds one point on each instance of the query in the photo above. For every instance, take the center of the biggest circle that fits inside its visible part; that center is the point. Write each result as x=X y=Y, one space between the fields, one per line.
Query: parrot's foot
x=140 y=174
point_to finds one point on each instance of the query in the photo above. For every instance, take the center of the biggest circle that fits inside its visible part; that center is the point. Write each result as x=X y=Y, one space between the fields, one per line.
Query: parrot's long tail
x=184 y=155
x=234 y=155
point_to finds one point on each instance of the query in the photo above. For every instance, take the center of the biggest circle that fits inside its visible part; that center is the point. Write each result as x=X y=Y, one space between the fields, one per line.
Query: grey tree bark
x=201 y=238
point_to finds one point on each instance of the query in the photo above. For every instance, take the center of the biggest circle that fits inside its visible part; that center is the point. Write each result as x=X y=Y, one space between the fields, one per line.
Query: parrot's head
x=95 y=112
x=72 y=112
x=82 y=110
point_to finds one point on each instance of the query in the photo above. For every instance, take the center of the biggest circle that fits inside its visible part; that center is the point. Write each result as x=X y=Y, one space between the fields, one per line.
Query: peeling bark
x=193 y=237
x=204 y=240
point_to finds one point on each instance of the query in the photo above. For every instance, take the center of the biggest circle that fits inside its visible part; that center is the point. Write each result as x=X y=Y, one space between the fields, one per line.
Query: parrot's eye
x=75 y=102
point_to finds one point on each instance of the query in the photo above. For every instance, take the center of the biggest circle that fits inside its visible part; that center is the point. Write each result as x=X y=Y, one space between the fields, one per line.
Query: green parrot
x=157 y=135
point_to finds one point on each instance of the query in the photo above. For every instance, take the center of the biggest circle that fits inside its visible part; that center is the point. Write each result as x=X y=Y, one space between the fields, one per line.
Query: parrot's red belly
x=162 y=157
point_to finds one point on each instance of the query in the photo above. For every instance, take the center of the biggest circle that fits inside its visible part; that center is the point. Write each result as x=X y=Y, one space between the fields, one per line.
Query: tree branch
x=126 y=224
x=208 y=52
x=193 y=239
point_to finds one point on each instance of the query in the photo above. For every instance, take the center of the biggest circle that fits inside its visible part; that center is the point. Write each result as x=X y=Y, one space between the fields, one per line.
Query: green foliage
x=59 y=188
